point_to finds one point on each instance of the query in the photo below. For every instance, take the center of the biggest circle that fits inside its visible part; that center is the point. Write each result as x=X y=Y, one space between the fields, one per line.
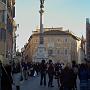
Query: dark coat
x=51 y=69
x=67 y=77
x=83 y=76
x=83 y=72
x=6 y=80
x=43 y=68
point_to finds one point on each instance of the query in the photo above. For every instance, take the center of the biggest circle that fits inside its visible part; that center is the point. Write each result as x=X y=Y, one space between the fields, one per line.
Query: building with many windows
x=2 y=29
x=61 y=46
x=7 y=14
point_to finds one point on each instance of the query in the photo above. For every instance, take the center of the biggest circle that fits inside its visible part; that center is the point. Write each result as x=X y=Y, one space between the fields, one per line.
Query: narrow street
x=33 y=84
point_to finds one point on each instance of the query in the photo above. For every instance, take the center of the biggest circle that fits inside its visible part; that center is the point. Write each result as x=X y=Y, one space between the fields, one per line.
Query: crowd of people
x=65 y=75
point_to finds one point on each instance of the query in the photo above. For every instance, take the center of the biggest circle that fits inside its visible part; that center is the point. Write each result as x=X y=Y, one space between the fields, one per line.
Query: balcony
x=2 y=5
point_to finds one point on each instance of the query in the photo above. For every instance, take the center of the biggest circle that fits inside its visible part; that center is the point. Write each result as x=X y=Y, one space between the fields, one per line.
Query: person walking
x=50 y=74
x=17 y=76
x=25 y=70
x=75 y=69
x=43 y=68
x=57 y=73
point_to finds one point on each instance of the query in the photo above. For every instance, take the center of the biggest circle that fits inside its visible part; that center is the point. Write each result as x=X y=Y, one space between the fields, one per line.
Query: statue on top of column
x=41 y=3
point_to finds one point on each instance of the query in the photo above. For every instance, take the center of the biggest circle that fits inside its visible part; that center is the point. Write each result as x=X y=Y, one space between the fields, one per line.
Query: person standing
x=75 y=69
x=25 y=68
x=83 y=77
x=50 y=74
x=67 y=78
x=17 y=76
x=57 y=73
x=29 y=67
x=43 y=68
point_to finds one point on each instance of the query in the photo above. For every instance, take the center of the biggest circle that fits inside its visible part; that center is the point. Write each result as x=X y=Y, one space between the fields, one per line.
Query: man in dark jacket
x=43 y=68
x=75 y=69
x=50 y=73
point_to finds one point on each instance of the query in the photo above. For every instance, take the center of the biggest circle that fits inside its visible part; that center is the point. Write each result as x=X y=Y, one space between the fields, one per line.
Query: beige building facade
x=7 y=14
x=61 y=46
x=2 y=30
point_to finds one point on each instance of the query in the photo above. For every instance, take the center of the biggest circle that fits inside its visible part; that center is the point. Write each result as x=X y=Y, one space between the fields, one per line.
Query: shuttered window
x=2 y=34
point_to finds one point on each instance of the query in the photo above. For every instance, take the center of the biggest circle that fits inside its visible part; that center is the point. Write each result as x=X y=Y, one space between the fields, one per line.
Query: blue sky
x=70 y=14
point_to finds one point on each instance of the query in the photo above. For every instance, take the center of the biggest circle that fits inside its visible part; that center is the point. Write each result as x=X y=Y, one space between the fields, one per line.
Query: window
x=65 y=51
x=58 y=52
x=50 y=52
x=58 y=40
x=2 y=34
x=13 y=11
x=4 y=1
x=3 y=17
x=65 y=39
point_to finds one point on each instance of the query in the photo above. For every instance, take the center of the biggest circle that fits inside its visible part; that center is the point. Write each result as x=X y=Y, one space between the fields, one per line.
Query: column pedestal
x=40 y=54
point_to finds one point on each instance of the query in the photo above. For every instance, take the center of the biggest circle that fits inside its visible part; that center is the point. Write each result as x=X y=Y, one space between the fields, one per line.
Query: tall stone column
x=40 y=52
x=41 y=21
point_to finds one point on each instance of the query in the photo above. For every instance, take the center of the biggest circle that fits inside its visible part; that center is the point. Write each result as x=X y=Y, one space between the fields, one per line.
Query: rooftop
x=56 y=31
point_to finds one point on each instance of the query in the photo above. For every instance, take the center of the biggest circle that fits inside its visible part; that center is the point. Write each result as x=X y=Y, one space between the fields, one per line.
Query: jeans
x=50 y=79
x=43 y=77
